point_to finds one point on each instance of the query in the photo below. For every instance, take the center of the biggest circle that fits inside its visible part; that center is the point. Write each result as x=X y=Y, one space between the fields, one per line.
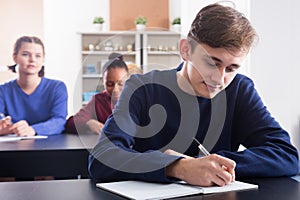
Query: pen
x=202 y=148
x=2 y=116
x=206 y=153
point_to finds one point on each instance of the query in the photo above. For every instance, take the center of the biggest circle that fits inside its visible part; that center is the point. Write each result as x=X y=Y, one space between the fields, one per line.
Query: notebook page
x=149 y=191
x=236 y=185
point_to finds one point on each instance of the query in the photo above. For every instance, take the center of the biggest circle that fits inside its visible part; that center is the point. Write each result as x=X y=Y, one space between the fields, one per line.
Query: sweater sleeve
x=269 y=150
x=2 y=100
x=77 y=123
x=58 y=112
x=115 y=158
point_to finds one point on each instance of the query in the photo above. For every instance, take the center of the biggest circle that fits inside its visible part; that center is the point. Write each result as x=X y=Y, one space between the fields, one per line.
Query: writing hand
x=205 y=171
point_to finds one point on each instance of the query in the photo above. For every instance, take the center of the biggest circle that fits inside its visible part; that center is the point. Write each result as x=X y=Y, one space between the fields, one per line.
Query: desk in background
x=62 y=156
x=269 y=189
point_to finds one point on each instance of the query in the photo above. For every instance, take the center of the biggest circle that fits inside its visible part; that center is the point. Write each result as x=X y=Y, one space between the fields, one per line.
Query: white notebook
x=150 y=191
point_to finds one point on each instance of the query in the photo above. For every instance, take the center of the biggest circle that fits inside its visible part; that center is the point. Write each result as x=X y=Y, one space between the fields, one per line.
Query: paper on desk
x=151 y=191
x=8 y=139
x=12 y=137
x=34 y=137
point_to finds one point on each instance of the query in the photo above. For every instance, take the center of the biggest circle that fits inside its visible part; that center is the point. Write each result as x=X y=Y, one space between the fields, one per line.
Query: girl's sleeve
x=58 y=112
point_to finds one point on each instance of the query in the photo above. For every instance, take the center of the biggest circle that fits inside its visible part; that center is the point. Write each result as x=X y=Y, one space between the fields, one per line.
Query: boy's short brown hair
x=221 y=26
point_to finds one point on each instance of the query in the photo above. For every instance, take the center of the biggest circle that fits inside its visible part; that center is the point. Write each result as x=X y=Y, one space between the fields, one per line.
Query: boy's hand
x=205 y=171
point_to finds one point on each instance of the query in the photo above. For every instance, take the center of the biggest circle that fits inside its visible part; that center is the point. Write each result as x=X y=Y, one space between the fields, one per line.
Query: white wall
x=275 y=60
x=63 y=20
x=18 y=18
x=175 y=9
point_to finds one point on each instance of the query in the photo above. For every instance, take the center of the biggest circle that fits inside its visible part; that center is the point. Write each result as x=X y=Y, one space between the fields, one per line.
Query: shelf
x=163 y=53
x=108 y=52
x=92 y=76
x=108 y=33
x=133 y=32
x=162 y=33
x=151 y=49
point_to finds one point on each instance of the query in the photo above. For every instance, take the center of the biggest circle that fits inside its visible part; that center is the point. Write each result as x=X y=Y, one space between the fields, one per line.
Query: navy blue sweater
x=154 y=114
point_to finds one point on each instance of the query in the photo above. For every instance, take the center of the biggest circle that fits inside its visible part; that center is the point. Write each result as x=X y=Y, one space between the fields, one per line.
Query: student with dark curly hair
x=92 y=116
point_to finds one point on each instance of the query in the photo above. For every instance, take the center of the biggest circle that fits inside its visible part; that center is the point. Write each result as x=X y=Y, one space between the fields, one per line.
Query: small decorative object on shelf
x=97 y=47
x=176 y=24
x=160 y=48
x=108 y=46
x=173 y=48
x=140 y=23
x=98 y=23
x=90 y=69
x=91 y=47
x=121 y=48
x=129 y=47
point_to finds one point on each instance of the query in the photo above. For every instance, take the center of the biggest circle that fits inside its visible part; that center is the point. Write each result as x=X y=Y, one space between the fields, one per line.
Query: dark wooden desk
x=62 y=156
x=269 y=189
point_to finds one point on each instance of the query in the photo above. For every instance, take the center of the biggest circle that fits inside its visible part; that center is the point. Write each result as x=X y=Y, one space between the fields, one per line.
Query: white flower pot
x=140 y=27
x=97 y=27
x=176 y=28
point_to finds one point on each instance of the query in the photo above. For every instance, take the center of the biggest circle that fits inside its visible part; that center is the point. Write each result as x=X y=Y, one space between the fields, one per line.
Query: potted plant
x=176 y=24
x=98 y=23
x=140 y=22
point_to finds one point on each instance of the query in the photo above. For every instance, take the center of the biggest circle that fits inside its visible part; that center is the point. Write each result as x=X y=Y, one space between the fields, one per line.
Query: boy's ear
x=184 y=49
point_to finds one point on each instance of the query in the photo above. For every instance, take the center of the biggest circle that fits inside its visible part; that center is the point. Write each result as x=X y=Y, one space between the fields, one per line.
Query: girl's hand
x=94 y=126
x=5 y=125
x=22 y=128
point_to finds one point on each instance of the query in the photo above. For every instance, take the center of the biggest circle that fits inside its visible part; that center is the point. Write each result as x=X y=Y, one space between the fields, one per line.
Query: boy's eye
x=211 y=64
